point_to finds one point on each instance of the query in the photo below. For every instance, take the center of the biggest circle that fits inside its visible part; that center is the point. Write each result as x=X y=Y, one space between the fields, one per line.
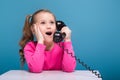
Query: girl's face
x=47 y=24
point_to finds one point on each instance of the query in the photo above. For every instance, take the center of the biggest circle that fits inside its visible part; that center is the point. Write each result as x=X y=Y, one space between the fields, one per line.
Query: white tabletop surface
x=48 y=75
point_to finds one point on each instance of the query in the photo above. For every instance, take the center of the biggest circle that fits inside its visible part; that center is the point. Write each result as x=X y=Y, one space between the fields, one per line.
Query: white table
x=48 y=75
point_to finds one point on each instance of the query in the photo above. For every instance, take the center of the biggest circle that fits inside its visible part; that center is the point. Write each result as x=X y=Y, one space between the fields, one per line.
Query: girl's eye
x=52 y=22
x=42 y=23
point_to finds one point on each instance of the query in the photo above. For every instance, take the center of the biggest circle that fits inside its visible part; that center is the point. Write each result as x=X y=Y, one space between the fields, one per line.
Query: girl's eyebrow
x=41 y=20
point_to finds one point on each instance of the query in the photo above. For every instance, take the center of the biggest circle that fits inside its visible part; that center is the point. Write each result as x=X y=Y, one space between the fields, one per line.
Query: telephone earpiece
x=58 y=36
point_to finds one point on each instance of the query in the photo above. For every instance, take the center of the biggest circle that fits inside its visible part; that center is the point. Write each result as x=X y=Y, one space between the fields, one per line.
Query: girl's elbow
x=36 y=70
x=69 y=69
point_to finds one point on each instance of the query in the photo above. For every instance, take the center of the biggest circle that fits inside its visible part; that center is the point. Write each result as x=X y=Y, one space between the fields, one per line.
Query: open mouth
x=48 y=33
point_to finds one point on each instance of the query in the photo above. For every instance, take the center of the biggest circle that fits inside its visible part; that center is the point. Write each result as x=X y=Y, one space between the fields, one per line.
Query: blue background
x=95 y=26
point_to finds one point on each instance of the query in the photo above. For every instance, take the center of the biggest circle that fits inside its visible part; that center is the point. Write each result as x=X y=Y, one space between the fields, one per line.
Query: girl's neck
x=49 y=45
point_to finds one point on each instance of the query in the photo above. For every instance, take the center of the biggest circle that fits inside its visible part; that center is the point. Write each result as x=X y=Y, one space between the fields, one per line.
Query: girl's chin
x=49 y=40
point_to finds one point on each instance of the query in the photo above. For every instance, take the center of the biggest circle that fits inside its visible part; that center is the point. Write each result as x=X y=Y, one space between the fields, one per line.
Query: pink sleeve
x=69 y=62
x=34 y=56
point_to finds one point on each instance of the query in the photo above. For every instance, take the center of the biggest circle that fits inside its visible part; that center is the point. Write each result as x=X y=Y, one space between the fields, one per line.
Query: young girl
x=44 y=53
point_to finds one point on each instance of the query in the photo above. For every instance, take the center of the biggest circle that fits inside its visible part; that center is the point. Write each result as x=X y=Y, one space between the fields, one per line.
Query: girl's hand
x=38 y=33
x=67 y=31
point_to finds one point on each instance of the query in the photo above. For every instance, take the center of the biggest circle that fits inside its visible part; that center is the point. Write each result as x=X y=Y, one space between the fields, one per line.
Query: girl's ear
x=32 y=29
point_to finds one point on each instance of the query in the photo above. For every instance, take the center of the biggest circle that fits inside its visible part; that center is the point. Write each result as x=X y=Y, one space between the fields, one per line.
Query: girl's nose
x=48 y=26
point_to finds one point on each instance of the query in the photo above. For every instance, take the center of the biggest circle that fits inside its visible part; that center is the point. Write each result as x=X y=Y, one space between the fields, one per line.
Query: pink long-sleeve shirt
x=38 y=59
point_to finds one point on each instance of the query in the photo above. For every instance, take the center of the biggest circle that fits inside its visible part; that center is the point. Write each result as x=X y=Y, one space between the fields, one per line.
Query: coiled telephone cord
x=81 y=62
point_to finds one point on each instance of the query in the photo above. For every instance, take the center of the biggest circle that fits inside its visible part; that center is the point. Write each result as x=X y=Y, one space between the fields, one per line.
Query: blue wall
x=95 y=26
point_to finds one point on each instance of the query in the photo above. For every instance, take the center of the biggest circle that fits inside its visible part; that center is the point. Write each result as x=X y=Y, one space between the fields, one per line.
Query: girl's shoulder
x=31 y=44
x=60 y=43
x=63 y=43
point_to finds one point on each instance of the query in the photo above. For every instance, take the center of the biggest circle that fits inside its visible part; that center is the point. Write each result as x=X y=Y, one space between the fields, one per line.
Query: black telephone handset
x=58 y=36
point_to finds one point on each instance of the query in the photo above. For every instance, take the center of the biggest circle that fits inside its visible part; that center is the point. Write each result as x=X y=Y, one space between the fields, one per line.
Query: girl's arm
x=69 y=62
x=34 y=56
